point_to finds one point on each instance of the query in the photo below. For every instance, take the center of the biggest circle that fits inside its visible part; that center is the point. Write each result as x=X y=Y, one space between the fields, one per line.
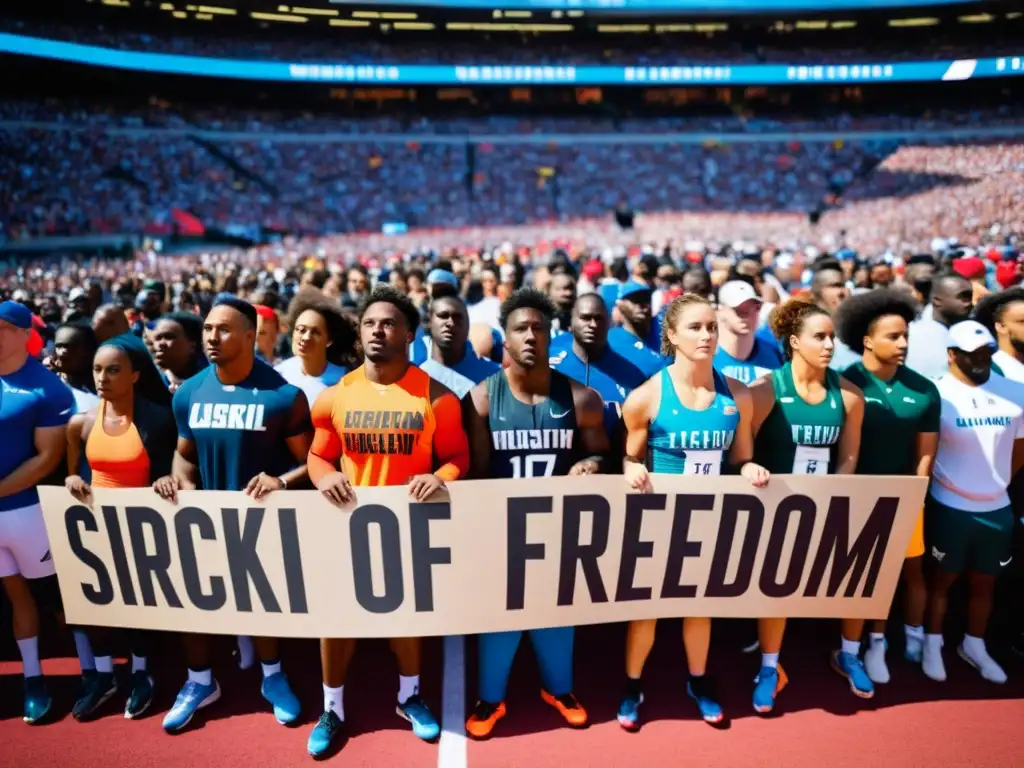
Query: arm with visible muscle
x=589 y=409
x=50 y=444
x=741 y=454
x=636 y=414
x=849 y=440
x=477 y=412
x=78 y=433
x=324 y=457
x=451 y=445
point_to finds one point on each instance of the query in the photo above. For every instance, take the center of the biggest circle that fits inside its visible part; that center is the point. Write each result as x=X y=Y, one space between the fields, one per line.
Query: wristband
x=284 y=483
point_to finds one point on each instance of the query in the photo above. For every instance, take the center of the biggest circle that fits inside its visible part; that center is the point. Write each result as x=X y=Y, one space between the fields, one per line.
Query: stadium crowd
x=138 y=349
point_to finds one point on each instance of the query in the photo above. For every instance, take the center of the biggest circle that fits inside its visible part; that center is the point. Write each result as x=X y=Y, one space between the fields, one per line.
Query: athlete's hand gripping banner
x=493 y=555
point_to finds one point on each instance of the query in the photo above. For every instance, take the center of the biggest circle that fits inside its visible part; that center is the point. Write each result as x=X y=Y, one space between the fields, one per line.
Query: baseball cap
x=16 y=314
x=75 y=294
x=970 y=335
x=632 y=288
x=443 y=276
x=736 y=292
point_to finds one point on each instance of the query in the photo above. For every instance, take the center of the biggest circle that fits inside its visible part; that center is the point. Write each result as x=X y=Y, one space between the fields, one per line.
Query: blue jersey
x=764 y=358
x=635 y=350
x=531 y=440
x=30 y=398
x=682 y=441
x=239 y=430
x=464 y=375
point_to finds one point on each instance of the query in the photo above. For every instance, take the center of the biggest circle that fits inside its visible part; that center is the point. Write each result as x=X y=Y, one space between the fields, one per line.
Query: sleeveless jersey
x=116 y=462
x=531 y=440
x=797 y=437
x=683 y=441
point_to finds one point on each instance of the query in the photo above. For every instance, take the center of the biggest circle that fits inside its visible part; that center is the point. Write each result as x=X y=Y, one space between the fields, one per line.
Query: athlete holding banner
x=807 y=421
x=686 y=420
x=530 y=421
x=385 y=423
x=899 y=437
x=241 y=427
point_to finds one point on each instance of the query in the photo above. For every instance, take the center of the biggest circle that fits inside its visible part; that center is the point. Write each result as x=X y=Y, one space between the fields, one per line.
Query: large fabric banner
x=491 y=555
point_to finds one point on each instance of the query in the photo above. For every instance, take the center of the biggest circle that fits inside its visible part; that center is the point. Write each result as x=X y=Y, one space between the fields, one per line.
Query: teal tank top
x=799 y=438
x=683 y=441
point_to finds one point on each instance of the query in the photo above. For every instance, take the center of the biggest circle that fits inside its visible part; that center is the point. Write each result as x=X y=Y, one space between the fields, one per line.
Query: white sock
x=201 y=676
x=334 y=700
x=271 y=669
x=851 y=647
x=911 y=631
x=934 y=642
x=105 y=664
x=876 y=637
x=975 y=646
x=246 y=652
x=770 y=660
x=84 y=650
x=138 y=663
x=407 y=687
x=29 y=648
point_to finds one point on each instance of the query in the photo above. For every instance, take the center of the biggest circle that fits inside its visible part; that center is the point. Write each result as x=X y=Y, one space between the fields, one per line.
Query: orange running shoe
x=568 y=707
x=783 y=680
x=485 y=716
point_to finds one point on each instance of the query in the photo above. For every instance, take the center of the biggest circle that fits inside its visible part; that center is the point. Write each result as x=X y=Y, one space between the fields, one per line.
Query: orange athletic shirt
x=386 y=435
x=116 y=462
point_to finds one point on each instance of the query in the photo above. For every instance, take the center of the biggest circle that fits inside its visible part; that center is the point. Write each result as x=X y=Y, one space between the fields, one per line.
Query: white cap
x=736 y=292
x=970 y=335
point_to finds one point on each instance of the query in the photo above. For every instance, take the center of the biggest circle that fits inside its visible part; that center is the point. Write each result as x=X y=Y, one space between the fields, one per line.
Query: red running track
x=818 y=722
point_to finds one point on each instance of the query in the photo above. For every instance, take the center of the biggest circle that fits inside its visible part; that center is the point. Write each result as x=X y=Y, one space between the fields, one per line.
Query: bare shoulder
x=586 y=398
x=638 y=402
x=852 y=394
x=479 y=399
x=761 y=391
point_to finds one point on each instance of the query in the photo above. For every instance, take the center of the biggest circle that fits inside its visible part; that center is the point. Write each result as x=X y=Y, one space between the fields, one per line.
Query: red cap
x=970 y=267
x=1007 y=273
x=592 y=269
x=262 y=310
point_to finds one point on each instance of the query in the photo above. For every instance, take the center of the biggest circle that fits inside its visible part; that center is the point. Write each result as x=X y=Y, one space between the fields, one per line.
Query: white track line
x=451 y=752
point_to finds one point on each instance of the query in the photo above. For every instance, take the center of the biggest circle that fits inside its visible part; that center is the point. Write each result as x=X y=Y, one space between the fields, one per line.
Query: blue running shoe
x=766 y=685
x=629 y=710
x=37 y=699
x=276 y=690
x=323 y=734
x=424 y=724
x=191 y=698
x=852 y=668
x=97 y=691
x=141 y=695
x=702 y=691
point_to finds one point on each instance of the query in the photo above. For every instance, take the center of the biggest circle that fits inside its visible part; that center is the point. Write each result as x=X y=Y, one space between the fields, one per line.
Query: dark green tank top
x=799 y=438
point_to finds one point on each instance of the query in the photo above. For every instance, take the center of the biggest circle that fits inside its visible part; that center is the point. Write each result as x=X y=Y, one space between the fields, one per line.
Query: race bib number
x=810 y=460
x=703 y=463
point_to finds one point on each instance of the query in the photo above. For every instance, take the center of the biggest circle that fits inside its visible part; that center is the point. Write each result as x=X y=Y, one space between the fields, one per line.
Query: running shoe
x=767 y=685
x=485 y=716
x=568 y=707
x=913 y=651
x=38 y=700
x=140 y=696
x=985 y=664
x=852 y=668
x=629 y=710
x=874 y=661
x=326 y=730
x=702 y=690
x=423 y=722
x=932 y=664
x=276 y=690
x=191 y=698
x=98 y=691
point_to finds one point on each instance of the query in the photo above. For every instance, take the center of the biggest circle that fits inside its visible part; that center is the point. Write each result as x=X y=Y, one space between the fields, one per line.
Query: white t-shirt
x=1012 y=368
x=311 y=386
x=486 y=311
x=979 y=425
x=84 y=401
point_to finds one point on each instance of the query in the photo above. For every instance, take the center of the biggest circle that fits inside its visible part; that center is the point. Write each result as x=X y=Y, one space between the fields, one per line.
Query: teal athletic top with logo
x=799 y=438
x=683 y=441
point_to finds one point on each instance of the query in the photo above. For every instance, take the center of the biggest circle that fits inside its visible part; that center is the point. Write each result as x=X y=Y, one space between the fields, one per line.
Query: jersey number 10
x=528 y=466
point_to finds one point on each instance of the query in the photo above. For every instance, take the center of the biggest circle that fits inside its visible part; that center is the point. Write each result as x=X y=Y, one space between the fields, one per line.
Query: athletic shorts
x=916 y=546
x=24 y=546
x=958 y=541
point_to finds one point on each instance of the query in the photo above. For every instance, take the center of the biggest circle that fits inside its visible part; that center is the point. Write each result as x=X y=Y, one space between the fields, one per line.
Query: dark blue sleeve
x=180 y=405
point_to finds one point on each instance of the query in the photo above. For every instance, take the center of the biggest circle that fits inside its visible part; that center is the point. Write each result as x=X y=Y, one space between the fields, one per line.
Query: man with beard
x=450 y=360
x=1003 y=315
x=385 y=423
x=590 y=360
x=969 y=520
x=528 y=404
x=241 y=427
x=635 y=338
x=562 y=292
x=952 y=299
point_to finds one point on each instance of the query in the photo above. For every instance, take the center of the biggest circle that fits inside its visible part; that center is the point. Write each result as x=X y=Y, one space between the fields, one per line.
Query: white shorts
x=24 y=546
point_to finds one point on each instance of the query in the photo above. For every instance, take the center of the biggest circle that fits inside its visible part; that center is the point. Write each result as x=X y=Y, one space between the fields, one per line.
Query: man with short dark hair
x=451 y=360
x=241 y=427
x=952 y=298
